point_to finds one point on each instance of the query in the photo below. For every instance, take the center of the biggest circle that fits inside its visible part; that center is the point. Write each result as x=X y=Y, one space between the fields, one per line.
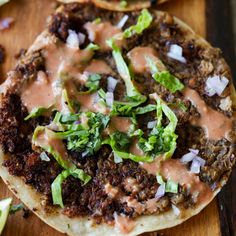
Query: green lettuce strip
x=70 y=168
x=163 y=76
x=144 y=21
x=124 y=72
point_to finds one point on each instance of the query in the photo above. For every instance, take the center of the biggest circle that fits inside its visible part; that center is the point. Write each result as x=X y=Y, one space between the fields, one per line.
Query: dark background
x=221 y=32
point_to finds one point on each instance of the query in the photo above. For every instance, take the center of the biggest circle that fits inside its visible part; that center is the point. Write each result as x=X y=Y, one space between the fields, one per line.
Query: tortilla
x=131 y=6
x=85 y=225
x=116 y=5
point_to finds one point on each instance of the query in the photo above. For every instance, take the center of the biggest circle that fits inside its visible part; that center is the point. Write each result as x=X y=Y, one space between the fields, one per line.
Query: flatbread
x=84 y=225
x=116 y=6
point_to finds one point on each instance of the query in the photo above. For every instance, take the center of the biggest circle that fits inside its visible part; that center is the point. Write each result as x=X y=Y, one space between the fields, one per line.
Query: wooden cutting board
x=30 y=18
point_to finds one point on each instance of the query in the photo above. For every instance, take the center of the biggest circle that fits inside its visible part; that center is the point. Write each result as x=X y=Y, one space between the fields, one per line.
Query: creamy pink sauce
x=124 y=224
x=87 y=102
x=137 y=57
x=178 y=172
x=99 y=67
x=100 y=33
x=45 y=90
x=215 y=124
x=46 y=138
x=121 y=124
x=147 y=206
x=153 y=167
x=135 y=150
x=38 y=93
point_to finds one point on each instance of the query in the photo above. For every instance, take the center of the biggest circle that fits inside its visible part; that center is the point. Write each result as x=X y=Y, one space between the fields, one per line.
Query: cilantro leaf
x=15 y=208
x=144 y=21
x=93 y=82
x=162 y=140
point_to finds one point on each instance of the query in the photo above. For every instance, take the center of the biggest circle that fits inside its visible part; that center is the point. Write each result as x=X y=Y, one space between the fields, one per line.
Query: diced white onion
x=151 y=124
x=6 y=23
x=111 y=84
x=81 y=38
x=53 y=126
x=195 y=167
x=109 y=99
x=176 y=52
x=44 y=157
x=189 y=156
x=117 y=159
x=216 y=85
x=195 y=151
x=160 y=191
x=72 y=40
x=122 y=22
x=176 y=210
x=85 y=153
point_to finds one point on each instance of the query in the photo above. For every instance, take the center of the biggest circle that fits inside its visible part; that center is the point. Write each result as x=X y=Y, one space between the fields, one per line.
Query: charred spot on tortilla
x=115 y=122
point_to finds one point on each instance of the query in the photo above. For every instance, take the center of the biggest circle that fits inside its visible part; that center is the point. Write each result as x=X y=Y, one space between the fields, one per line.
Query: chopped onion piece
x=6 y=23
x=176 y=210
x=122 y=22
x=187 y=157
x=200 y=160
x=84 y=154
x=72 y=40
x=81 y=38
x=195 y=167
x=151 y=124
x=216 y=85
x=160 y=191
x=111 y=84
x=44 y=157
x=195 y=151
x=117 y=159
x=176 y=52
x=53 y=126
x=109 y=99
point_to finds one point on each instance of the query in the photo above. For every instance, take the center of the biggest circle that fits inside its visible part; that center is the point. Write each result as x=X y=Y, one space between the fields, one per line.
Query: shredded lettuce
x=48 y=136
x=70 y=169
x=125 y=154
x=56 y=186
x=144 y=21
x=164 y=77
x=36 y=112
x=171 y=187
x=4 y=212
x=124 y=72
x=92 y=47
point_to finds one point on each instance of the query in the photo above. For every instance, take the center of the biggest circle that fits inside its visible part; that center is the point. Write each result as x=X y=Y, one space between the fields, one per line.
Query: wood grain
x=30 y=18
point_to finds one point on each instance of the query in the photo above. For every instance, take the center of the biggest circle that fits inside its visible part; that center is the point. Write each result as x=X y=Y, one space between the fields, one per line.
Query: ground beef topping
x=100 y=136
